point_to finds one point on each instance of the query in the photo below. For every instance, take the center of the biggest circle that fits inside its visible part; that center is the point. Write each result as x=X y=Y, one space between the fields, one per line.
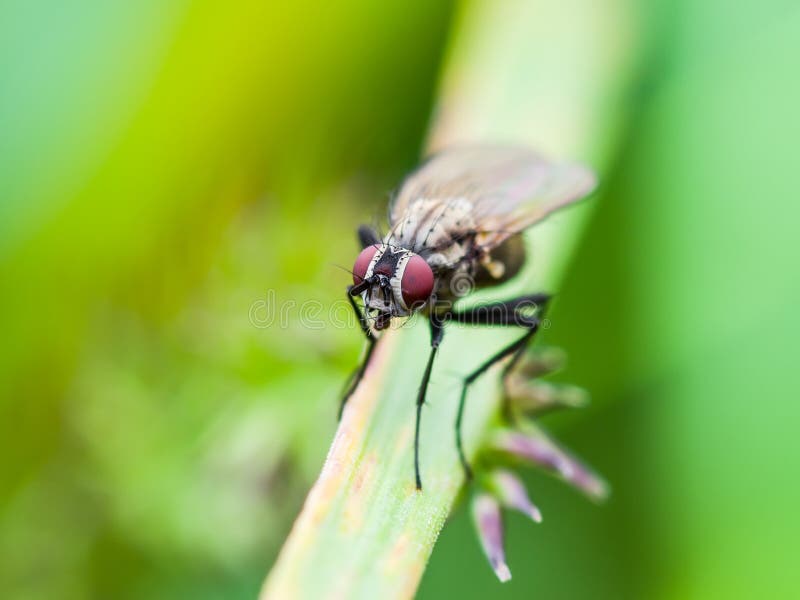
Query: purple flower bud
x=540 y=450
x=489 y=523
x=511 y=492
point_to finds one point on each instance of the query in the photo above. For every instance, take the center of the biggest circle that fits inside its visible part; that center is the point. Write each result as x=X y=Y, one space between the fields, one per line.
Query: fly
x=456 y=225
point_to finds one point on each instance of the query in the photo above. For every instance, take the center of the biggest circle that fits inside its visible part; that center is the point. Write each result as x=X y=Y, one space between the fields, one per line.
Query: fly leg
x=358 y=374
x=367 y=236
x=504 y=314
x=437 y=332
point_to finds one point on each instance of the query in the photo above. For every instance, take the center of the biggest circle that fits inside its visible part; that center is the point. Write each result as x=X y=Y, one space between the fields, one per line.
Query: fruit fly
x=455 y=225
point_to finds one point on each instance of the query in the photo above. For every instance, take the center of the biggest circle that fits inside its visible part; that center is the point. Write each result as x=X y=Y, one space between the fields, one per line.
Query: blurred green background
x=165 y=165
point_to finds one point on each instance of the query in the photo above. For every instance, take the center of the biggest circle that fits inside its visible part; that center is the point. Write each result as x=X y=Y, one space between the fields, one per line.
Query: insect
x=458 y=218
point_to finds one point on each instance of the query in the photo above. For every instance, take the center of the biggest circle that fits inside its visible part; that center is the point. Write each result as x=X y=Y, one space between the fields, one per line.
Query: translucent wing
x=509 y=188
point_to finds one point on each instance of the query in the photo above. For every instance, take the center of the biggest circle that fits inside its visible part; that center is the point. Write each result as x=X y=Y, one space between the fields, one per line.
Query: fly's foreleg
x=510 y=313
x=358 y=374
x=437 y=332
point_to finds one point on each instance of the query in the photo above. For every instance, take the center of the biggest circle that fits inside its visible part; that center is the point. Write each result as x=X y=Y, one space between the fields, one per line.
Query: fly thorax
x=435 y=224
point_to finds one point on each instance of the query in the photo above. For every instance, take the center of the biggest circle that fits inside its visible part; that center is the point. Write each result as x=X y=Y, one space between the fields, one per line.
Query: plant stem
x=540 y=73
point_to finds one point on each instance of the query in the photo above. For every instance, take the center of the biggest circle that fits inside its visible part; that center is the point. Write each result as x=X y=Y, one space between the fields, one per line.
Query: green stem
x=541 y=73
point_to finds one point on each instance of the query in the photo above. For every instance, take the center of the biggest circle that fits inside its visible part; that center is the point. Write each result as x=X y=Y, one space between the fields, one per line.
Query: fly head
x=392 y=281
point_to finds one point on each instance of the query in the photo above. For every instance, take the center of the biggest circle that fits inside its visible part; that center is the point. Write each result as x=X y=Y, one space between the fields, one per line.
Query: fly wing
x=509 y=188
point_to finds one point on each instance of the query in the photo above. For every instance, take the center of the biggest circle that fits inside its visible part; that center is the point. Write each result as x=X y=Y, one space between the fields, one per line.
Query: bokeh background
x=164 y=166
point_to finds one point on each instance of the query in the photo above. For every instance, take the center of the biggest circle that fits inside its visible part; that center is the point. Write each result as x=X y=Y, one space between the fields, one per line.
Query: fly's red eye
x=362 y=263
x=417 y=281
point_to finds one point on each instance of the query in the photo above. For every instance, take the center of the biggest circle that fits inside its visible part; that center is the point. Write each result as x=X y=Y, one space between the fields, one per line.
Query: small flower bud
x=489 y=524
x=533 y=396
x=541 y=361
x=511 y=492
x=537 y=448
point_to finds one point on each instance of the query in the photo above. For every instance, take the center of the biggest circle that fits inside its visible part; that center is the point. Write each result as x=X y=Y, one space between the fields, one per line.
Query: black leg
x=437 y=332
x=504 y=314
x=367 y=236
x=358 y=374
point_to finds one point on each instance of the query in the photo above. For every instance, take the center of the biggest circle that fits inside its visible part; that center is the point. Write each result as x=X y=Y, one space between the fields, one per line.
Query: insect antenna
x=345 y=269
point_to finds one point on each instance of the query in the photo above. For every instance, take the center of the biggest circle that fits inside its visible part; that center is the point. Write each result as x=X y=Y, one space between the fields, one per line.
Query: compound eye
x=362 y=263
x=417 y=281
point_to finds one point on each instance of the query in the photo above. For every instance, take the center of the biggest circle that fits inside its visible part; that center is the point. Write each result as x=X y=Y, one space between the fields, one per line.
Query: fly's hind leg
x=511 y=313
